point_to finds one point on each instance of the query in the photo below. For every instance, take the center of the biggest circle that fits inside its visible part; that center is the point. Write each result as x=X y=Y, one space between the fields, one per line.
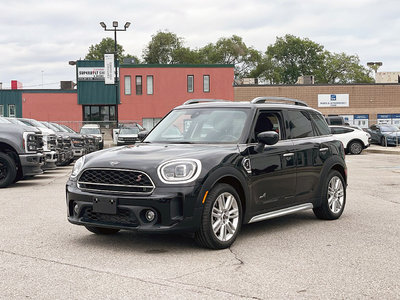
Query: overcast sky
x=38 y=38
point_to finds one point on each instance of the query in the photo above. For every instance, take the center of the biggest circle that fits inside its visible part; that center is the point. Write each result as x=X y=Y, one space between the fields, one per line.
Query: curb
x=383 y=151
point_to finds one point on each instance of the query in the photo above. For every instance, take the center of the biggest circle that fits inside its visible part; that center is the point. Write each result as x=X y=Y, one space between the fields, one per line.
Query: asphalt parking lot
x=42 y=256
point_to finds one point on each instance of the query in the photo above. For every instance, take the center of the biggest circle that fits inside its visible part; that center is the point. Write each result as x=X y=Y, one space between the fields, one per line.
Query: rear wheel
x=355 y=147
x=222 y=218
x=101 y=230
x=333 y=197
x=8 y=170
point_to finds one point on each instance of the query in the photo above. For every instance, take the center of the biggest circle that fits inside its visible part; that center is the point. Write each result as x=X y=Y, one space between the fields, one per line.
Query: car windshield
x=32 y=122
x=4 y=121
x=132 y=130
x=389 y=128
x=200 y=126
x=90 y=131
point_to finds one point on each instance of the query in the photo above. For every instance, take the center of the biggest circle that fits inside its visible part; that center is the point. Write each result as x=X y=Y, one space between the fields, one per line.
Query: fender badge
x=114 y=163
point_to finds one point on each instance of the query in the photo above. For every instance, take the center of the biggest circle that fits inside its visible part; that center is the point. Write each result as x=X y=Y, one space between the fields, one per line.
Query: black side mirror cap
x=266 y=138
x=142 y=135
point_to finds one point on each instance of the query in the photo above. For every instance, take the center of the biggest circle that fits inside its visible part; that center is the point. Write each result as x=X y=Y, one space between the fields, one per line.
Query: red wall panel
x=51 y=106
x=170 y=89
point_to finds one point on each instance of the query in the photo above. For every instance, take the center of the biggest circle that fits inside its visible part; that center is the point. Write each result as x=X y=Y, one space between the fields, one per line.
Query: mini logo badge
x=114 y=163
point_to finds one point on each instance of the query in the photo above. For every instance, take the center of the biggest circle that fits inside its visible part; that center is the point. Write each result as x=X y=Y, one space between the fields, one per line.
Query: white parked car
x=354 y=140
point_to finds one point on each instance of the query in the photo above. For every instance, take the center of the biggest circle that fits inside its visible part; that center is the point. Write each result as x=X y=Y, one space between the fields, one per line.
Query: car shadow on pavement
x=161 y=243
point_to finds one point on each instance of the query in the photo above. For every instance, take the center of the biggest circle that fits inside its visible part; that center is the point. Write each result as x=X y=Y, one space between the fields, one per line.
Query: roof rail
x=258 y=100
x=194 y=101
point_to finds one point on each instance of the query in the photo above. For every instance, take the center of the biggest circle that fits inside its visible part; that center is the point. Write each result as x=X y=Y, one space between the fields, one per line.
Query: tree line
x=282 y=62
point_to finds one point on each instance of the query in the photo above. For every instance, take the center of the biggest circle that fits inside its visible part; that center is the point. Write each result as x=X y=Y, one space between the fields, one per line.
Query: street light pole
x=115 y=29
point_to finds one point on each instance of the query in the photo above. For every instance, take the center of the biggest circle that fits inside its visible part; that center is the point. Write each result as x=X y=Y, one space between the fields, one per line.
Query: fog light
x=76 y=209
x=150 y=215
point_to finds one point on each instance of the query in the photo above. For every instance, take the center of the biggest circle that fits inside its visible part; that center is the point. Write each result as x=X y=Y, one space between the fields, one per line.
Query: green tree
x=163 y=48
x=96 y=52
x=231 y=51
x=342 y=68
x=292 y=57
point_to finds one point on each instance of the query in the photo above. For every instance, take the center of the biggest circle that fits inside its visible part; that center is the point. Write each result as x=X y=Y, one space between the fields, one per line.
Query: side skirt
x=281 y=212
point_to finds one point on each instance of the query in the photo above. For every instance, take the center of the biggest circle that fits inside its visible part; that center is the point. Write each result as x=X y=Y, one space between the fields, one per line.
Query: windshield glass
x=389 y=128
x=132 y=130
x=31 y=122
x=67 y=128
x=201 y=125
x=50 y=126
x=4 y=121
x=59 y=128
x=90 y=131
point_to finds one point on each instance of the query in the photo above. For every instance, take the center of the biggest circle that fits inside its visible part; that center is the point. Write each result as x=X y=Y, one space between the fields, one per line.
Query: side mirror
x=266 y=138
x=142 y=135
x=103 y=133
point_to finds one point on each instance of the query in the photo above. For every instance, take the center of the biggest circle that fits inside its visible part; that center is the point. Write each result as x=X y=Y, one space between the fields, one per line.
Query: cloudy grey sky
x=38 y=35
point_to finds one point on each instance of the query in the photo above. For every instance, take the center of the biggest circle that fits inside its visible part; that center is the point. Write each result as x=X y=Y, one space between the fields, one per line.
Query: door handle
x=288 y=154
x=323 y=149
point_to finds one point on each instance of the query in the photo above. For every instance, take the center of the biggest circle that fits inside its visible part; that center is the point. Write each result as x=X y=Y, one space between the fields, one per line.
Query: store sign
x=91 y=73
x=109 y=69
x=333 y=100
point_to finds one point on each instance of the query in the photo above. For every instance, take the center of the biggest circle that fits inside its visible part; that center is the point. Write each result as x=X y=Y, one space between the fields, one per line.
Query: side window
x=127 y=81
x=1 y=111
x=320 y=124
x=268 y=121
x=299 y=124
x=190 y=83
x=11 y=111
x=138 y=85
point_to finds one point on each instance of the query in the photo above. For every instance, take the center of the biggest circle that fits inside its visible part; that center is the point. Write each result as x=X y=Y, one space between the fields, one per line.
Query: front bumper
x=50 y=161
x=31 y=163
x=175 y=210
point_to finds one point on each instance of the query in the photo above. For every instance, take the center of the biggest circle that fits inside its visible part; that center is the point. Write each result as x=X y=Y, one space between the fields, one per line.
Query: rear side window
x=299 y=124
x=320 y=124
x=340 y=130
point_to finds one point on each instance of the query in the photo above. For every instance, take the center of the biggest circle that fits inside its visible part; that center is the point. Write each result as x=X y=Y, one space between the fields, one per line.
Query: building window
x=190 y=83
x=1 y=111
x=138 y=85
x=99 y=113
x=150 y=84
x=206 y=83
x=127 y=85
x=11 y=110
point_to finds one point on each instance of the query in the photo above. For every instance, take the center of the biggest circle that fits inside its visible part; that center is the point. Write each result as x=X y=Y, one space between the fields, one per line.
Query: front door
x=273 y=173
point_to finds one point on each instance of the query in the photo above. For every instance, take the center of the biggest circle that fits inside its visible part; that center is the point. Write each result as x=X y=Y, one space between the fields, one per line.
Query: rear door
x=311 y=147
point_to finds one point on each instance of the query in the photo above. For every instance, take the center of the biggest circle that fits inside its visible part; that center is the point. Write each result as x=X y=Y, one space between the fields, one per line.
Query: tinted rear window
x=299 y=124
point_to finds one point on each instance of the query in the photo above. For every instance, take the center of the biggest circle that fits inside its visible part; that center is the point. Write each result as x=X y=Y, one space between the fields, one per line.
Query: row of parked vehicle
x=28 y=147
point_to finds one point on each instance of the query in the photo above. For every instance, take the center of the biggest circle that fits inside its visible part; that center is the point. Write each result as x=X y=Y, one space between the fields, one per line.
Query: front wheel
x=101 y=230
x=222 y=218
x=333 y=197
x=8 y=170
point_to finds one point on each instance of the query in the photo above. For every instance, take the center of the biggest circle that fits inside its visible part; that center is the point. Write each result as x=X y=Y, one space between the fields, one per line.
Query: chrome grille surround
x=115 y=181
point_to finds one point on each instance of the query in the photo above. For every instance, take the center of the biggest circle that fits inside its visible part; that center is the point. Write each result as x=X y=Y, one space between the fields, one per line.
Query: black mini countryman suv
x=210 y=166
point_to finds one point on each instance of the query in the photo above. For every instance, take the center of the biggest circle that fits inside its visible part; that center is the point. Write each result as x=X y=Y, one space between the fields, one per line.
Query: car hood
x=147 y=157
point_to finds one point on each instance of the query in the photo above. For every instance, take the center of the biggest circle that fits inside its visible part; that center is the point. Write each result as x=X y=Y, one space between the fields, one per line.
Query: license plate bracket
x=105 y=205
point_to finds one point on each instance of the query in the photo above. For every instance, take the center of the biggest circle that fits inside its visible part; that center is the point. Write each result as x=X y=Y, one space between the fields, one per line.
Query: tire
x=218 y=212
x=101 y=230
x=8 y=170
x=355 y=147
x=333 y=197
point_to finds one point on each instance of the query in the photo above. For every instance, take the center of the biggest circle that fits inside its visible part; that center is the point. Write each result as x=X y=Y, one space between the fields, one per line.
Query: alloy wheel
x=335 y=194
x=225 y=216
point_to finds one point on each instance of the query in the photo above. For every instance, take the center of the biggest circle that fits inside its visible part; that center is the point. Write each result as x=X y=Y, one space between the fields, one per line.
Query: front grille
x=78 y=143
x=116 y=181
x=52 y=141
x=124 y=217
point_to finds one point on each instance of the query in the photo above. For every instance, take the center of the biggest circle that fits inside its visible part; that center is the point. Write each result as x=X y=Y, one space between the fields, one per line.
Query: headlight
x=30 y=141
x=78 y=166
x=179 y=171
